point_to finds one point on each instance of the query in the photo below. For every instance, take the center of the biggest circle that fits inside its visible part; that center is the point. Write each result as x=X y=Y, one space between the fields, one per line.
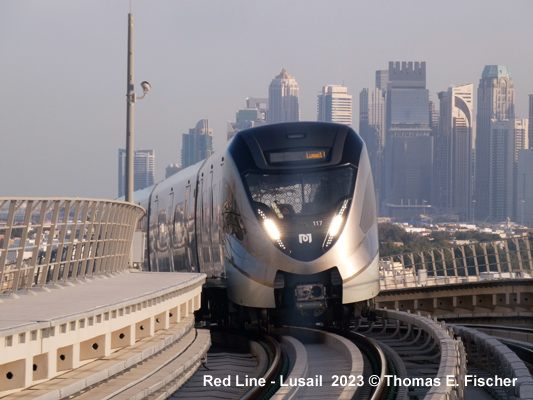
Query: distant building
x=521 y=142
x=530 y=127
x=172 y=169
x=502 y=163
x=253 y=115
x=453 y=177
x=197 y=145
x=382 y=79
x=494 y=128
x=409 y=144
x=372 y=128
x=524 y=197
x=259 y=103
x=521 y=128
x=283 y=99
x=334 y=104
x=143 y=170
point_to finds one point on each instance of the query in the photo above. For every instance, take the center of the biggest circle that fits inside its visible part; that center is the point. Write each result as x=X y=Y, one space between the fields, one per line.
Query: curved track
x=326 y=361
x=233 y=365
x=301 y=363
x=405 y=353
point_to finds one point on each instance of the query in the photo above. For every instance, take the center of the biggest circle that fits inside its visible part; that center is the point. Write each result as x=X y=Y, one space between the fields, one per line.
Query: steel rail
x=272 y=373
x=375 y=355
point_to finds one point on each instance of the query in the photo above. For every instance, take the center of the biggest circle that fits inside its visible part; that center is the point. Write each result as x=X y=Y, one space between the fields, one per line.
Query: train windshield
x=302 y=194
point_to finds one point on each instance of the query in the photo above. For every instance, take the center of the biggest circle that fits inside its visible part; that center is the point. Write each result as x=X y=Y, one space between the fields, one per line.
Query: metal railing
x=477 y=262
x=48 y=241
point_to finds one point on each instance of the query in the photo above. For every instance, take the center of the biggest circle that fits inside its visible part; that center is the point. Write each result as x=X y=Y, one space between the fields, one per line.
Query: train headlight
x=271 y=229
x=337 y=224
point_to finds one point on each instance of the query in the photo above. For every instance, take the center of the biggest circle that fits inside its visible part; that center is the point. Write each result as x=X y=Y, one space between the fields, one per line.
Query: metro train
x=282 y=221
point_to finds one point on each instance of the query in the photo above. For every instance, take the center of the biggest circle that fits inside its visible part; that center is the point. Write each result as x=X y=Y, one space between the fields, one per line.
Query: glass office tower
x=409 y=144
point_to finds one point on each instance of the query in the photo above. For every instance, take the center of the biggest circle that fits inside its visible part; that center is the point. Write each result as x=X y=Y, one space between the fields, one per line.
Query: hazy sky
x=63 y=70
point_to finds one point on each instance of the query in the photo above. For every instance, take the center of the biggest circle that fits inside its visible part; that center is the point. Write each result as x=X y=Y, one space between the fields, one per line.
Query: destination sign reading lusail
x=298 y=156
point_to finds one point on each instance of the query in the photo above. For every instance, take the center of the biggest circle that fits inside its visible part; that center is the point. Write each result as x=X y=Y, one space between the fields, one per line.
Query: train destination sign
x=298 y=156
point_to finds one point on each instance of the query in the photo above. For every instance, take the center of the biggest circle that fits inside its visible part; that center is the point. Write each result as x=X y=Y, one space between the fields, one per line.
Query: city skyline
x=63 y=99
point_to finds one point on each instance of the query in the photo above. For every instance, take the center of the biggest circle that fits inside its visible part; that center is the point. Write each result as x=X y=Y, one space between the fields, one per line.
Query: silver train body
x=282 y=218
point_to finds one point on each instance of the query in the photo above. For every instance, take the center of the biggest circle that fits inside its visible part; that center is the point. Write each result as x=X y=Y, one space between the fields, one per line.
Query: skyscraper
x=521 y=129
x=409 y=145
x=283 y=99
x=143 y=169
x=335 y=105
x=372 y=128
x=494 y=141
x=530 y=127
x=172 y=169
x=453 y=151
x=253 y=115
x=524 y=198
x=382 y=79
x=197 y=144
x=259 y=103
x=502 y=164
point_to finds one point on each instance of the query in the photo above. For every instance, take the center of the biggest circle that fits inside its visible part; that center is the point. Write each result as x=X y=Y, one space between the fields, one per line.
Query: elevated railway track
x=478 y=298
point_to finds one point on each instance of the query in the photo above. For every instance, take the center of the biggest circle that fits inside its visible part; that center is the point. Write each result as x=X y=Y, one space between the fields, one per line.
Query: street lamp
x=473 y=212
x=522 y=223
x=130 y=100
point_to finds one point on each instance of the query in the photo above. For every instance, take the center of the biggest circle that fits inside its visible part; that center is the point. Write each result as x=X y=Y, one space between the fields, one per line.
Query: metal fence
x=502 y=259
x=47 y=241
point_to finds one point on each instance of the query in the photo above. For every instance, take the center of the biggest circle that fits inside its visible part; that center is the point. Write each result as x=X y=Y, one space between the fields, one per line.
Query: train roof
x=263 y=144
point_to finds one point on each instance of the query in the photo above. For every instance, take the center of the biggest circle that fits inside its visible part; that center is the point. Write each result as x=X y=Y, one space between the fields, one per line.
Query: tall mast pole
x=130 y=99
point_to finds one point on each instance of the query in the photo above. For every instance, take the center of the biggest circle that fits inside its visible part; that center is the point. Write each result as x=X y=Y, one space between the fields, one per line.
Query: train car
x=282 y=221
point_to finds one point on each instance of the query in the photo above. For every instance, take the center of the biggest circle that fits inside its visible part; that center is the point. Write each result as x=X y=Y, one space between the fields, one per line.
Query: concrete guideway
x=320 y=355
x=48 y=333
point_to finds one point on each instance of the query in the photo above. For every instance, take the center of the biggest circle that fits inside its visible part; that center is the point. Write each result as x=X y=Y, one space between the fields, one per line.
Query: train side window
x=206 y=220
x=187 y=191
x=155 y=211
x=171 y=208
x=162 y=229
x=211 y=206
x=178 y=224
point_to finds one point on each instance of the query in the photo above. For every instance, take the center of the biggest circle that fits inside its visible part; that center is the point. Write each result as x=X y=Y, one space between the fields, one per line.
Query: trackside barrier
x=51 y=241
x=452 y=352
x=497 y=359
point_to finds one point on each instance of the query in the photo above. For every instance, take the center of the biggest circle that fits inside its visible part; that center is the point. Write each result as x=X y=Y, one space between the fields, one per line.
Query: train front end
x=300 y=220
